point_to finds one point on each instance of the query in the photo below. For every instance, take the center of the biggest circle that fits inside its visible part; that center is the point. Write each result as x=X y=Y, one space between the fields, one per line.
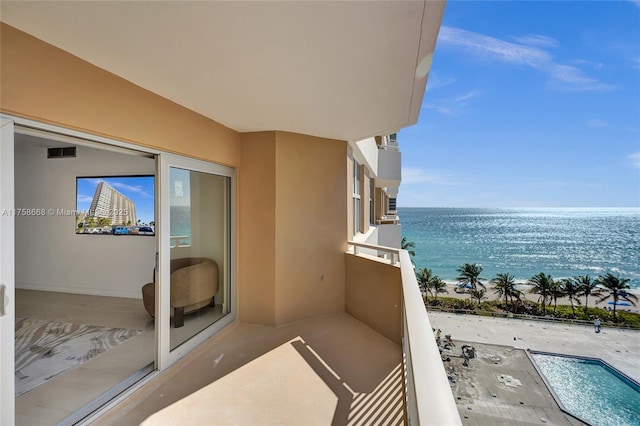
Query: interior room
x=84 y=329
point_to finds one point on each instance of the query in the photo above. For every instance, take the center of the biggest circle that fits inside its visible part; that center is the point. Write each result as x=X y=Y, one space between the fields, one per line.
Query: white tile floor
x=64 y=394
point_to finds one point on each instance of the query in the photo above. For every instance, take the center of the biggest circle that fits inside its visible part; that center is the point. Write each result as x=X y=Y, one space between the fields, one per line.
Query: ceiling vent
x=61 y=152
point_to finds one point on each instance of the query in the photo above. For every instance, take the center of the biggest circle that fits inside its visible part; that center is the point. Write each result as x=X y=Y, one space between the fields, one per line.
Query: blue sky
x=139 y=189
x=529 y=104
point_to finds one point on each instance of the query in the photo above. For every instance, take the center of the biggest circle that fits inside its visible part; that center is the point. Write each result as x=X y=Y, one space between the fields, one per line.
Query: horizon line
x=519 y=207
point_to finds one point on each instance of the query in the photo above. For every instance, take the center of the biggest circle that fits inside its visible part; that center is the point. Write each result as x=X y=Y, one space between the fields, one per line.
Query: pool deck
x=483 y=399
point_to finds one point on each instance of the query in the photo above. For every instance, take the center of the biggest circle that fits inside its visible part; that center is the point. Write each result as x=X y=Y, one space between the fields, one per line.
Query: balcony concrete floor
x=329 y=370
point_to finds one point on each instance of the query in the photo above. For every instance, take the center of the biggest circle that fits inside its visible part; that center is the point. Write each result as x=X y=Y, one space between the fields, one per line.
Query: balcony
x=389 y=171
x=375 y=363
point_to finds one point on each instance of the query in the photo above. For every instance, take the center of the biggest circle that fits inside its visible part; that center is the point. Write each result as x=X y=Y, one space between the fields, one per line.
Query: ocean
x=562 y=242
x=180 y=222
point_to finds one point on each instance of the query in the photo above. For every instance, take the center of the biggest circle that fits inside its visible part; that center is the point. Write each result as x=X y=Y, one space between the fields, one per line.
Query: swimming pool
x=591 y=389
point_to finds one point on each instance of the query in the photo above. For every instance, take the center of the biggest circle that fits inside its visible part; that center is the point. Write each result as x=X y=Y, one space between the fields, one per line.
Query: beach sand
x=534 y=297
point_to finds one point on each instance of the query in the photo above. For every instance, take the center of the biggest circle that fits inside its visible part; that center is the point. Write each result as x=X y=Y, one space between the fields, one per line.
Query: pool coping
x=529 y=352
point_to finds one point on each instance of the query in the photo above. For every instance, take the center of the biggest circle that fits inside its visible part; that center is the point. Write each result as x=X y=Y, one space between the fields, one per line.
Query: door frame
x=164 y=358
x=166 y=162
x=7 y=272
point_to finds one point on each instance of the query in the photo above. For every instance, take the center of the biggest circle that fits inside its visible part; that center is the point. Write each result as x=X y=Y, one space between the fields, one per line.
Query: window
x=116 y=205
x=180 y=210
x=392 y=204
x=357 y=191
x=372 y=190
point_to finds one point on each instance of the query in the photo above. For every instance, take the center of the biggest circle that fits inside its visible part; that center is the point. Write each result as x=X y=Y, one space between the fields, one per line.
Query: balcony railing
x=428 y=396
x=388 y=219
x=389 y=173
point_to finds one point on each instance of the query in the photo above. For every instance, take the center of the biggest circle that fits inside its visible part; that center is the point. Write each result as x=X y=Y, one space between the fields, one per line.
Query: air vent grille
x=61 y=152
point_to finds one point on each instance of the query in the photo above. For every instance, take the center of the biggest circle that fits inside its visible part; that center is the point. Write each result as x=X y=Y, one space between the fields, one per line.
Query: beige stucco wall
x=257 y=229
x=44 y=83
x=373 y=294
x=311 y=226
x=292 y=189
x=292 y=227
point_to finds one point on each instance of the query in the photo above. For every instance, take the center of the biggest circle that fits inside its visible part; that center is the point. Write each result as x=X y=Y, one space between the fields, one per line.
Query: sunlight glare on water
x=563 y=242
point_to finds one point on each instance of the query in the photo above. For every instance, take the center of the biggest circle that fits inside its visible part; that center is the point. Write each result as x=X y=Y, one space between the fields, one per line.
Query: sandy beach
x=451 y=286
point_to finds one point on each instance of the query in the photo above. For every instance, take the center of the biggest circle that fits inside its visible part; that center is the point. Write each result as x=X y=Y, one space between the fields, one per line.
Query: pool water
x=591 y=390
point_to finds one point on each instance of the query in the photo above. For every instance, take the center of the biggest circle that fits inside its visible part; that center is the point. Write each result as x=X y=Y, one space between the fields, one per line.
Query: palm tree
x=470 y=275
x=409 y=246
x=541 y=284
x=424 y=277
x=478 y=293
x=571 y=289
x=616 y=288
x=436 y=285
x=504 y=285
x=556 y=292
x=587 y=287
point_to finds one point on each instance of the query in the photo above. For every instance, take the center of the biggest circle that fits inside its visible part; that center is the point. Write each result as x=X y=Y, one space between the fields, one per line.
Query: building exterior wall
x=257 y=229
x=311 y=226
x=43 y=83
x=373 y=294
x=113 y=205
x=292 y=189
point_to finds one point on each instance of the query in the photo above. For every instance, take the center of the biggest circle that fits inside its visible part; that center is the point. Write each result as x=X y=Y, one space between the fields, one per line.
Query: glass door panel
x=199 y=252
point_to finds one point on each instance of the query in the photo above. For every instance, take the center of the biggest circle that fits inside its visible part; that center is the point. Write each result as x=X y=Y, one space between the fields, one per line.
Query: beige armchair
x=194 y=282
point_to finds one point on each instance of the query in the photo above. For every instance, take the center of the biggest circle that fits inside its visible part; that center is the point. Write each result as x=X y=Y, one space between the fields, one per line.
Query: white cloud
x=537 y=40
x=595 y=65
x=595 y=122
x=131 y=188
x=563 y=77
x=454 y=105
x=467 y=96
x=572 y=78
x=493 y=48
x=635 y=160
x=441 y=109
x=416 y=175
x=436 y=82
x=84 y=198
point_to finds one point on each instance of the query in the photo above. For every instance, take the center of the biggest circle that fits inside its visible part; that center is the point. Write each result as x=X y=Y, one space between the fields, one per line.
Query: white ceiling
x=344 y=70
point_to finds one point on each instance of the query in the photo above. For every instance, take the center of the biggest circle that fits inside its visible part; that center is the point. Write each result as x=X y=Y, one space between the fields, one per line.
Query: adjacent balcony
x=389 y=170
x=375 y=363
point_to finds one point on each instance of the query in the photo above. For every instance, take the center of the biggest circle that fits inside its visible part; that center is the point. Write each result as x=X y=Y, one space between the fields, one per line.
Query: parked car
x=145 y=230
x=120 y=230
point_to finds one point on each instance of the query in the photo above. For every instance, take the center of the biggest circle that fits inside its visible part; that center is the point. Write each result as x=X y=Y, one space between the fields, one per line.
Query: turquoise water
x=562 y=242
x=592 y=391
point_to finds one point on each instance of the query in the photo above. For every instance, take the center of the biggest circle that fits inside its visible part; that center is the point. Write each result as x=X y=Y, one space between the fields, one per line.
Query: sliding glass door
x=195 y=253
x=186 y=241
